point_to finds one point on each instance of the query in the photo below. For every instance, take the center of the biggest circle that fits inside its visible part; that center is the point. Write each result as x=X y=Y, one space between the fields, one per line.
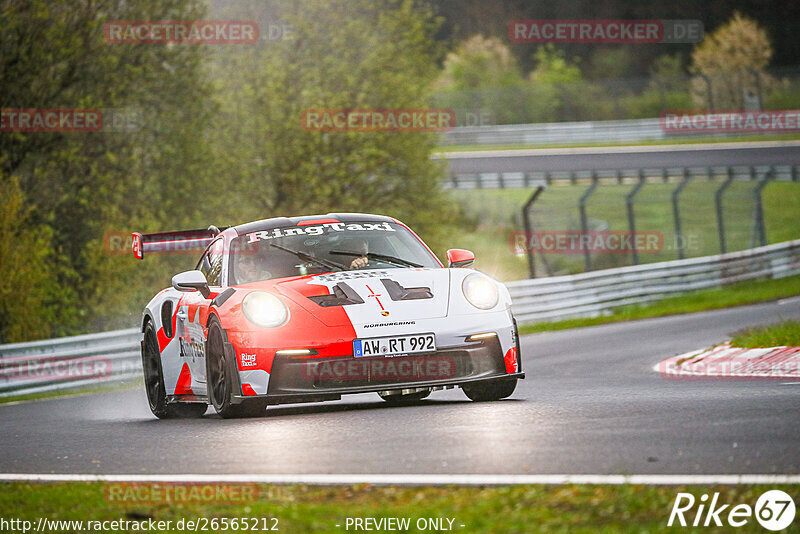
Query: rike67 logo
x=774 y=510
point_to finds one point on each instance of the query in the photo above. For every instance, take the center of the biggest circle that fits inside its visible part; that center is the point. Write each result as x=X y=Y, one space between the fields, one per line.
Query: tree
x=482 y=75
x=556 y=85
x=359 y=55
x=78 y=186
x=733 y=59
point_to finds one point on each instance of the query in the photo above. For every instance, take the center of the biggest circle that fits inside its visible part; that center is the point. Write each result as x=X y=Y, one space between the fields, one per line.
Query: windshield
x=300 y=250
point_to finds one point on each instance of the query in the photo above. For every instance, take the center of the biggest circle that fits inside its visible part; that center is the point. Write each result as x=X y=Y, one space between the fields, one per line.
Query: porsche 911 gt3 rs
x=308 y=309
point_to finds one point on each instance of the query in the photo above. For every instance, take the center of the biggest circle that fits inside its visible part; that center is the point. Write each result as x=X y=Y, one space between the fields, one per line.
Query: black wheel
x=154 y=383
x=407 y=398
x=490 y=392
x=221 y=380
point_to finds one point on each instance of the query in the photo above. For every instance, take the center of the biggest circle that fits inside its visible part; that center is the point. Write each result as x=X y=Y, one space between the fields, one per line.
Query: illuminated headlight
x=480 y=291
x=264 y=309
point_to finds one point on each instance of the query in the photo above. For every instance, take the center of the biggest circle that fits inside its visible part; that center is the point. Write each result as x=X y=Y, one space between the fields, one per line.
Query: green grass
x=785 y=334
x=733 y=295
x=569 y=508
x=654 y=142
x=497 y=213
x=71 y=392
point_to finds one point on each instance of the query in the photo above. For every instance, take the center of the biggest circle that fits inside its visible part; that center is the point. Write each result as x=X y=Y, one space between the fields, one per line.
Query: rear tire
x=154 y=383
x=221 y=381
x=408 y=398
x=490 y=392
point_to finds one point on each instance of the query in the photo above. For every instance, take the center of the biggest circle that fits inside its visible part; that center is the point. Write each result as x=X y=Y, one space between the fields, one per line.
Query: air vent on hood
x=342 y=295
x=398 y=292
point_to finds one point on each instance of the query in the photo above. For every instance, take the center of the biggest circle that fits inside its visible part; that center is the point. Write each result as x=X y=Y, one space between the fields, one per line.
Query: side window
x=211 y=263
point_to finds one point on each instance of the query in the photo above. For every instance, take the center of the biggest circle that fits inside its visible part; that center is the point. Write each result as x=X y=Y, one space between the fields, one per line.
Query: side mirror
x=457 y=257
x=191 y=281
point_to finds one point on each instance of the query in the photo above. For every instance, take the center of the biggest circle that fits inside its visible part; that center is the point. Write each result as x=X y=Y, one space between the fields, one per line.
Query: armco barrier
x=70 y=362
x=597 y=292
x=113 y=357
x=559 y=133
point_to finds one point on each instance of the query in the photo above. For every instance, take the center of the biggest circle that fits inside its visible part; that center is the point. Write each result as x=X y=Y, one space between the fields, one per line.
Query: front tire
x=154 y=383
x=491 y=391
x=220 y=377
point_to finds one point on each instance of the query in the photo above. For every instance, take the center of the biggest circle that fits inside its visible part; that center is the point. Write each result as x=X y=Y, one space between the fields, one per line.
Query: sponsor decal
x=378 y=120
x=396 y=323
x=349 y=275
x=321 y=229
x=248 y=360
x=180 y=32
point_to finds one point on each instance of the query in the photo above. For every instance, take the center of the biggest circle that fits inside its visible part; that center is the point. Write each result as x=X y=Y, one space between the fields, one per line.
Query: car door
x=193 y=316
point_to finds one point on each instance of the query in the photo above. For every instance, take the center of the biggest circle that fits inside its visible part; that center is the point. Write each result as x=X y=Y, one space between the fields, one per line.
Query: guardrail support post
x=759 y=230
x=718 y=203
x=676 y=214
x=587 y=257
x=631 y=219
x=529 y=229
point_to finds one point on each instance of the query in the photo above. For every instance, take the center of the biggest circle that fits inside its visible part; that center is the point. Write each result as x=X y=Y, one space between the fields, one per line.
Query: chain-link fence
x=569 y=222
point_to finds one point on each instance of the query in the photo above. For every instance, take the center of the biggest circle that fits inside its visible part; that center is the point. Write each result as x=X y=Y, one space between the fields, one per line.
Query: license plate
x=393 y=345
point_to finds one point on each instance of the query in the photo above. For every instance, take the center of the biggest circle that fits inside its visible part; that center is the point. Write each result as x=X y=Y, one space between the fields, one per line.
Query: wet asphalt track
x=591 y=404
x=605 y=158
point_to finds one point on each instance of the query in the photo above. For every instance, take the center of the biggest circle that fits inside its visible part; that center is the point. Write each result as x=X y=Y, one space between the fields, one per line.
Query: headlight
x=480 y=291
x=264 y=309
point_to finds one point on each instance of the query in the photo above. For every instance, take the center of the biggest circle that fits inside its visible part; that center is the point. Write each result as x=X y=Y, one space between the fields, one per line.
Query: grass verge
x=535 y=508
x=71 y=392
x=785 y=334
x=737 y=294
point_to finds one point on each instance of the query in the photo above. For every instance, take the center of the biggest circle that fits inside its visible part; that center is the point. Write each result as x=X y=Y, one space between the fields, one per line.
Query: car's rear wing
x=181 y=241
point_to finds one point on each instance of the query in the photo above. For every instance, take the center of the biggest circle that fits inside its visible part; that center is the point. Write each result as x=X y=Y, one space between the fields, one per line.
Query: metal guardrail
x=114 y=357
x=596 y=293
x=556 y=133
x=532 y=179
x=70 y=362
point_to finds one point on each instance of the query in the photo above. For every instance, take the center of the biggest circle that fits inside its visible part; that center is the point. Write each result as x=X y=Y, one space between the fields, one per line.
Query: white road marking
x=414 y=480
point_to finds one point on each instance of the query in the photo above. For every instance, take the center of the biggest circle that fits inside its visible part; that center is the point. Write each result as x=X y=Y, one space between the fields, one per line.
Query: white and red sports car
x=307 y=309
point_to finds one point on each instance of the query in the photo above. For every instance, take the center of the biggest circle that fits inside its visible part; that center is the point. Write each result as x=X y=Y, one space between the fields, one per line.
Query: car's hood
x=372 y=296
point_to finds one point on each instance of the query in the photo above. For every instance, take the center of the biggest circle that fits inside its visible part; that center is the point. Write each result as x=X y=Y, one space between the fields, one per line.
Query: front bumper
x=302 y=379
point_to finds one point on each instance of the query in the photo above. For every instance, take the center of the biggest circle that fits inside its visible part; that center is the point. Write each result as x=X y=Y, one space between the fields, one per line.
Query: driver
x=362 y=247
x=249 y=268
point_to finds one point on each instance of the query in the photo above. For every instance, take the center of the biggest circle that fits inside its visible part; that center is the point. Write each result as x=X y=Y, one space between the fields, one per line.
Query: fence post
x=587 y=257
x=759 y=230
x=631 y=220
x=718 y=203
x=709 y=92
x=676 y=211
x=529 y=229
